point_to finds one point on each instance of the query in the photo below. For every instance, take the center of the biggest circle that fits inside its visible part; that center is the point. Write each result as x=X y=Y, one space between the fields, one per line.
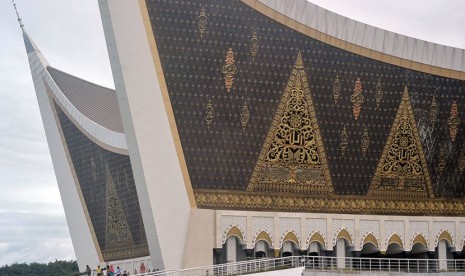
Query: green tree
x=56 y=268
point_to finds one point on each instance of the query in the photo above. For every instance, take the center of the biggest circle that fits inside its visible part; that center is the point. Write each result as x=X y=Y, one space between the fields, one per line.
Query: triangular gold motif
x=117 y=228
x=402 y=171
x=292 y=158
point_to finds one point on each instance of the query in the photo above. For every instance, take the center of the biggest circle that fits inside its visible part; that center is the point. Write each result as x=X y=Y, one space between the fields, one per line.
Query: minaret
x=31 y=47
x=83 y=241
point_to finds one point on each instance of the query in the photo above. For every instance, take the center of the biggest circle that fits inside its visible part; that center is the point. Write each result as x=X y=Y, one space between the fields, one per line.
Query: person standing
x=88 y=270
x=118 y=271
x=99 y=271
x=142 y=268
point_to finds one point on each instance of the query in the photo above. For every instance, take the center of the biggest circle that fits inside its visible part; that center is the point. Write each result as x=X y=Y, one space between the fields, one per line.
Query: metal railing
x=321 y=263
x=383 y=264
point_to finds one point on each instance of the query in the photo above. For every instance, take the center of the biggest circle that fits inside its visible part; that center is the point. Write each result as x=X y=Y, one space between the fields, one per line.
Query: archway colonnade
x=410 y=239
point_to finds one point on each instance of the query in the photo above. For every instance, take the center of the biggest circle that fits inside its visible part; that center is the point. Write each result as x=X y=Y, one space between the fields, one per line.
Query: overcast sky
x=69 y=33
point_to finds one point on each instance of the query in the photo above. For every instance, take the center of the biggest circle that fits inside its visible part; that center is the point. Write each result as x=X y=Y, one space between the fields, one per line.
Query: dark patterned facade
x=355 y=101
x=106 y=181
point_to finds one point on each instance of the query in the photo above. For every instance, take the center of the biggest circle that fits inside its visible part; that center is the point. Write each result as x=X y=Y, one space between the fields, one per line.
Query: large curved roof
x=367 y=36
x=97 y=103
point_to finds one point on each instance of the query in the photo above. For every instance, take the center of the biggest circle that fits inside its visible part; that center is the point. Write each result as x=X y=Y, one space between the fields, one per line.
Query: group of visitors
x=110 y=270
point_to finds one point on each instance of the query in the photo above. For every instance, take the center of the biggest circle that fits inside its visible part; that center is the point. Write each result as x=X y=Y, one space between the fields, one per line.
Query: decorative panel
x=109 y=193
x=229 y=221
x=367 y=227
x=260 y=224
x=392 y=227
x=316 y=225
x=289 y=225
x=418 y=227
x=293 y=158
x=222 y=156
x=402 y=170
x=340 y=224
x=440 y=226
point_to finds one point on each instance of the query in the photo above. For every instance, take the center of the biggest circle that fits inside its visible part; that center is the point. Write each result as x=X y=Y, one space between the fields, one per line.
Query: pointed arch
x=264 y=236
x=343 y=234
x=317 y=237
x=445 y=235
x=290 y=236
x=395 y=239
x=420 y=239
x=370 y=238
x=234 y=231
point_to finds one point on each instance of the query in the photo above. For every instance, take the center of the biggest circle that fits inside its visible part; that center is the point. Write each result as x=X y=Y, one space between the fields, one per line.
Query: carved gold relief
x=378 y=93
x=445 y=236
x=336 y=89
x=254 y=45
x=371 y=239
x=245 y=116
x=461 y=161
x=263 y=236
x=402 y=170
x=229 y=69
x=209 y=114
x=290 y=236
x=453 y=122
x=420 y=239
x=357 y=98
x=343 y=234
x=117 y=228
x=396 y=239
x=292 y=158
x=285 y=202
x=317 y=237
x=344 y=141
x=442 y=160
x=234 y=231
x=365 y=143
x=202 y=22
x=433 y=112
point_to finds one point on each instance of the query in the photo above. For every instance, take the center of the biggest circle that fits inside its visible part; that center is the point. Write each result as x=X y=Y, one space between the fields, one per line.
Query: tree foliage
x=56 y=268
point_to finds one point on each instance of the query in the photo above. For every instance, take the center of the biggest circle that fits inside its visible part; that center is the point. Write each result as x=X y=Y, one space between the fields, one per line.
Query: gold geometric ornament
x=433 y=111
x=245 y=116
x=453 y=122
x=402 y=171
x=229 y=69
x=357 y=98
x=461 y=161
x=202 y=22
x=344 y=141
x=442 y=160
x=378 y=93
x=292 y=158
x=209 y=114
x=117 y=231
x=336 y=89
x=254 y=45
x=365 y=143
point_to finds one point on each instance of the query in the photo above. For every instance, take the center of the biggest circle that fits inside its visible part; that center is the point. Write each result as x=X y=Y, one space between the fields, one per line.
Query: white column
x=340 y=253
x=442 y=254
x=231 y=250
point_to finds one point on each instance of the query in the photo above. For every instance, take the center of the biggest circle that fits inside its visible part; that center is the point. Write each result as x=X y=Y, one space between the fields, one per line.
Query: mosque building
x=242 y=129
